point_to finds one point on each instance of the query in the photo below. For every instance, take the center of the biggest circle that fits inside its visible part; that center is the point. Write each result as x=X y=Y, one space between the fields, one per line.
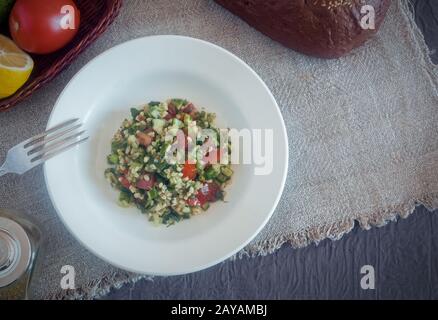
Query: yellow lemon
x=15 y=67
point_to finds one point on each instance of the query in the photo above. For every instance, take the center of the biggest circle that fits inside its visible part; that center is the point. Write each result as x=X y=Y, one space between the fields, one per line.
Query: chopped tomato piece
x=171 y=111
x=210 y=192
x=147 y=182
x=193 y=202
x=125 y=182
x=144 y=139
x=189 y=170
x=189 y=109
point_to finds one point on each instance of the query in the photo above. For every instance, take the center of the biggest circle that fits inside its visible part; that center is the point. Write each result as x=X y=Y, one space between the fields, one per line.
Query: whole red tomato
x=43 y=26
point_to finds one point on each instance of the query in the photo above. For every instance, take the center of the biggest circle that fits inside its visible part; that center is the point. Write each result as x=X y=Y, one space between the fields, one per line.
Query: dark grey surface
x=404 y=254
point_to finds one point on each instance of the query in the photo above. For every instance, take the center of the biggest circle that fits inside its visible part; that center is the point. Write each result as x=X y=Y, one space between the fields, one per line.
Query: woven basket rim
x=112 y=11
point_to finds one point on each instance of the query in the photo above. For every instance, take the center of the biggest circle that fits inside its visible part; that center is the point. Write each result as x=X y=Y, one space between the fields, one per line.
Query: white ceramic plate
x=158 y=68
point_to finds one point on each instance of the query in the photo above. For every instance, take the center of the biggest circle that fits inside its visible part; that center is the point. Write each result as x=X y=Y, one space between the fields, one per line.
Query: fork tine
x=36 y=138
x=55 y=145
x=38 y=145
x=49 y=155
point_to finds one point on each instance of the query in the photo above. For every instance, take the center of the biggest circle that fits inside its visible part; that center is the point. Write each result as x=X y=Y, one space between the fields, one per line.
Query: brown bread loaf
x=321 y=28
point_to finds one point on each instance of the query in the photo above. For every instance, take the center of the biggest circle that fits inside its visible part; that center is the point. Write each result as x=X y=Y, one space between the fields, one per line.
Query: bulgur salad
x=168 y=161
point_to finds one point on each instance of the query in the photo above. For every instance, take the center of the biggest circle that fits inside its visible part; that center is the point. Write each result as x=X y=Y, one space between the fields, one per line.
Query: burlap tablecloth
x=363 y=134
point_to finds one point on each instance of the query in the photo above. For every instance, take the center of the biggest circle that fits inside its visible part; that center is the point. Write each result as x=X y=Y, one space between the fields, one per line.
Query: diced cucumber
x=221 y=178
x=155 y=113
x=202 y=116
x=211 y=117
x=179 y=102
x=132 y=130
x=111 y=176
x=186 y=210
x=177 y=123
x=113 y=158
x=226 y=171
x=118 y=145
x=152 y=194
x=149 y=204
x=211 y=173
x=187 y=119
x=153 y=103
x=125 y=199
x=158 y=125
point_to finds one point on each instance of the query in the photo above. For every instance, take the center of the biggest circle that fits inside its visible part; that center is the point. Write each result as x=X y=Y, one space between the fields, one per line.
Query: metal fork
x=38 y=149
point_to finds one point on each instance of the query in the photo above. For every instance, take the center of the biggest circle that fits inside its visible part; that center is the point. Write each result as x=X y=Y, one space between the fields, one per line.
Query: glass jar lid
x=15 y=251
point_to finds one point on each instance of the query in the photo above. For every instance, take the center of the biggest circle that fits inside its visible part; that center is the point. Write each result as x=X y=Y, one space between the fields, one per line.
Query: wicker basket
x=96 y=16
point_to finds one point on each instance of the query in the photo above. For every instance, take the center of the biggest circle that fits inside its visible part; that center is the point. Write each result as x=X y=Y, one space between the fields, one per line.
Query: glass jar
x=20 y=242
